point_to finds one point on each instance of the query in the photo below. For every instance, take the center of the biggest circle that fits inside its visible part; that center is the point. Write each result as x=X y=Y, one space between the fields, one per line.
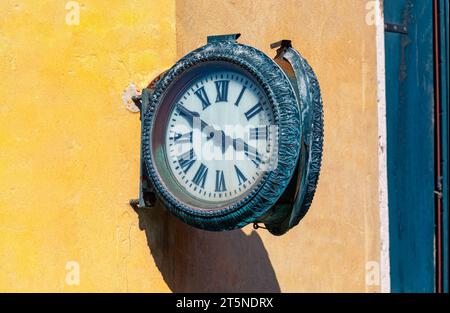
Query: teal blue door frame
x=442 y=54
x=418 y=208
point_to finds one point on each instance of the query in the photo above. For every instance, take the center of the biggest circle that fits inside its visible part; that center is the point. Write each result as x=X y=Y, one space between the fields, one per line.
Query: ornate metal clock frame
x=284 y=195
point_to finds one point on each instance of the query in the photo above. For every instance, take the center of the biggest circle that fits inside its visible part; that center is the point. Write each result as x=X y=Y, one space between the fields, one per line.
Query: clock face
x=222 y=137
x=218 y=139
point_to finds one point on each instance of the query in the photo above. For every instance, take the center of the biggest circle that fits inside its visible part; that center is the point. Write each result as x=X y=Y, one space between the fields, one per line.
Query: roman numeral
x=201 y=94
x=259 y=132
x=200 y=177
x=220 y=182
x=186 y=160
x=241 y=178
x=222 y=90
x=253 y=155
x=253 y=111
x=240 y=96
x=183 y=138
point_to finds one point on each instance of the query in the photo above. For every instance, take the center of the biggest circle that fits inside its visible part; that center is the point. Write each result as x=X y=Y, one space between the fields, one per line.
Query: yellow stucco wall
x=69 y=156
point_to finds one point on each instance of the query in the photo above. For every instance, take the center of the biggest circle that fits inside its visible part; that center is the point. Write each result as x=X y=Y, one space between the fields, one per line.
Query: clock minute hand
x=238 y=144
x=251 y=152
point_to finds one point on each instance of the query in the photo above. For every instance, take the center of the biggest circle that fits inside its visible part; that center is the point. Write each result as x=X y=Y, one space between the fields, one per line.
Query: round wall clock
x=232 y=137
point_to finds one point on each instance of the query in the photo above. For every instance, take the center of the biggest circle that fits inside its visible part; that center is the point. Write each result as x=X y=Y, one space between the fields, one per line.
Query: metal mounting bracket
x=228 y=37
x=395 y=28
x=147 y=197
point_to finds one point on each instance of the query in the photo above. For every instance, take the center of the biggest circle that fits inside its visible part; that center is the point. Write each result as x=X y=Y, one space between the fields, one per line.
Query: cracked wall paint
x=127 y=98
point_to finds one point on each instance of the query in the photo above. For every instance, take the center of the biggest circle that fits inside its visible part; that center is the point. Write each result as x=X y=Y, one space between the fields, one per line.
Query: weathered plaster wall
x=69 y=149
x=332 y=245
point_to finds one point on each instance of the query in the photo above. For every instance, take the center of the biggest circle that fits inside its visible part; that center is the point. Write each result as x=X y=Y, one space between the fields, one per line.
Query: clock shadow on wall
x=194 y=260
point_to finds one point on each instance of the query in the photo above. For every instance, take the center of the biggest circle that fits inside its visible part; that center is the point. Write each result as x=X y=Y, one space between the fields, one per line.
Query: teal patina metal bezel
x=285 y=216
x=312 y=121
x=280 y=93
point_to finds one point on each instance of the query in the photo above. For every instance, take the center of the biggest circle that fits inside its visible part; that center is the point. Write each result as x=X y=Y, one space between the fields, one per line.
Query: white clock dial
x=218 y=136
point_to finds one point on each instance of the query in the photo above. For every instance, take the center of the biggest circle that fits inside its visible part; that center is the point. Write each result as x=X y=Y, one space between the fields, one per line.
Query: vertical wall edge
x=382 y=153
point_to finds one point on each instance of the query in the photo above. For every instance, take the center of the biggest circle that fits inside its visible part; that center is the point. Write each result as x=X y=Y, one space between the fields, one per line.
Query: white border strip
x=382 y=146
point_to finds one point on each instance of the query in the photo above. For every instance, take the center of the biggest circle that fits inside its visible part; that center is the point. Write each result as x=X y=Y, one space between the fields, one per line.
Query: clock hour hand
x=238 y=144
x=190 y=116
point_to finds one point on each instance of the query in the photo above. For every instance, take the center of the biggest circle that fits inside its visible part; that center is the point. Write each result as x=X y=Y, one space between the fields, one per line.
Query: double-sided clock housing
x=223 y=138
